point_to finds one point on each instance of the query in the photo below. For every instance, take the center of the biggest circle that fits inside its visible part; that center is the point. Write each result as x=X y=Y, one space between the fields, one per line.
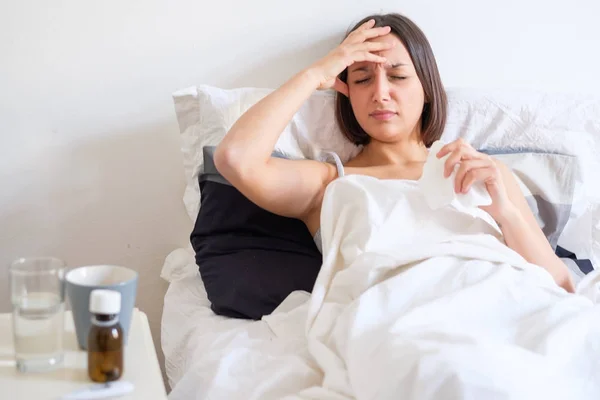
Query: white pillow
x=205 y=114
x=530 y=121
x=496 y=120
x=541 y=122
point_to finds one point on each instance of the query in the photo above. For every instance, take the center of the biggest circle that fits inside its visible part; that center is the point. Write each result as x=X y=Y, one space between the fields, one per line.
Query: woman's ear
x=341 y=86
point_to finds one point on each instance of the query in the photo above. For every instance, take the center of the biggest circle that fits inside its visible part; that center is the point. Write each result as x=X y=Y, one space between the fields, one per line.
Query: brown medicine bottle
x=105 y=339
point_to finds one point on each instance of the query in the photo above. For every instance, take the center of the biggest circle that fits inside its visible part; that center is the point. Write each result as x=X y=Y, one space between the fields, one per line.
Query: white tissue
x=439 y=191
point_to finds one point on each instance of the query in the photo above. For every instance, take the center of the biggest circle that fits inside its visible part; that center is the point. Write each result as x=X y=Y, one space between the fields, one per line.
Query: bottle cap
x=104 y=301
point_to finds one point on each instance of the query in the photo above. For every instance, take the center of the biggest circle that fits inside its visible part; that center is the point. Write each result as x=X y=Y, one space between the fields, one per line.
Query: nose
x=381 y=87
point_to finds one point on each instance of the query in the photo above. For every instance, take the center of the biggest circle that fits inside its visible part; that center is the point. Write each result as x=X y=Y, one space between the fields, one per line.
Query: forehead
x=396 y=55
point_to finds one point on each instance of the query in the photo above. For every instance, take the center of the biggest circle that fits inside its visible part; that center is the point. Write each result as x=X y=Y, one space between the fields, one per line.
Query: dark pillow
x=578 y=266
x=249 y=259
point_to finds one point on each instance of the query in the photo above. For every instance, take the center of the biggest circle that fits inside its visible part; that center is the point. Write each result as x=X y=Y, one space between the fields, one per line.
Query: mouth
x=382 y=115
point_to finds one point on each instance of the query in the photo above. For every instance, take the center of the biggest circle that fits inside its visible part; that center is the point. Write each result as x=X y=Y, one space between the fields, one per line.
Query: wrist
x=311 y=75
x=509 y=215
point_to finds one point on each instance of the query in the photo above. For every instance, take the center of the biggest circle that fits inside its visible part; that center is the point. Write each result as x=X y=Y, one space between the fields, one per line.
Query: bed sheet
x=220 y=355
x=189 y=326
x=213 y=357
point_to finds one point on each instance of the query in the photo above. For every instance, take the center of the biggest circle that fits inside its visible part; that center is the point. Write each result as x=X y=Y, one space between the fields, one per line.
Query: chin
x=390 y=133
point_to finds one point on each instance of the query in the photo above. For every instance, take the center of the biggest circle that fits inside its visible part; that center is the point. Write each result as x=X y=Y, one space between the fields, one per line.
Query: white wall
x=90 y=169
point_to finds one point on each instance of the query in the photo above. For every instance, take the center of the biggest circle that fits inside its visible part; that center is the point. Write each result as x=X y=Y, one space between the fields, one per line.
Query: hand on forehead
x=396 y=55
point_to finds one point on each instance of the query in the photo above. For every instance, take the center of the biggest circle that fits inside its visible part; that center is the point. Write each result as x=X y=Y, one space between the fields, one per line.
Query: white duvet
x=410 y=303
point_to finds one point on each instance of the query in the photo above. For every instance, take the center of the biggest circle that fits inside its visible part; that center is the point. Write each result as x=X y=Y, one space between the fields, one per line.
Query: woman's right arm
x=284 y=187
x=288 y=187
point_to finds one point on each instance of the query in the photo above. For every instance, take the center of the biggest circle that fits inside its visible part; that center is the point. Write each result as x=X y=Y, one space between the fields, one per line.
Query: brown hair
x=433 y=117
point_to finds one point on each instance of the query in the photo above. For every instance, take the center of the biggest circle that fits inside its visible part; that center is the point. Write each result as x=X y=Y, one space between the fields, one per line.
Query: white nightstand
x=140 y=366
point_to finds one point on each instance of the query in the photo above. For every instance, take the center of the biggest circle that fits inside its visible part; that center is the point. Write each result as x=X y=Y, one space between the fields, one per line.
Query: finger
x=367 y=56
x=450 y=147
x=454 y=158
x=461 y=152
x=466 y=167
x=367 y=47
x=366 y=25
x=376 y=46
x=340 y=86
x=373 y=33
x=479 y=174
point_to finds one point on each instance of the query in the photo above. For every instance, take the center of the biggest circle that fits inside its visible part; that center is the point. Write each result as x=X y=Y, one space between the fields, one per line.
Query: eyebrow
x=365 y=68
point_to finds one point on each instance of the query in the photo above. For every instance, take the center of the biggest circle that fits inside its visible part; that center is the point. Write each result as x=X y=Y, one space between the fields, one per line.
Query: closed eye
x=396 y=78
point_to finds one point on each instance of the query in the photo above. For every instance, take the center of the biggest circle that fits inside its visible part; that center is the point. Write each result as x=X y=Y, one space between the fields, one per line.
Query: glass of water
x=38 y=301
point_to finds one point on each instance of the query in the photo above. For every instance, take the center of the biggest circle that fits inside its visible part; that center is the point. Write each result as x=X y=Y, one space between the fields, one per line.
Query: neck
x=403 y=152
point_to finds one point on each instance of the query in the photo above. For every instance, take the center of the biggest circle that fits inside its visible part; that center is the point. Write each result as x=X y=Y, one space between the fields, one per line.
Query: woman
x=391 y=100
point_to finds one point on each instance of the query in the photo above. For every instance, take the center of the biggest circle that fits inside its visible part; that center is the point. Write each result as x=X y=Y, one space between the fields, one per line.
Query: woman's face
x=387 y=99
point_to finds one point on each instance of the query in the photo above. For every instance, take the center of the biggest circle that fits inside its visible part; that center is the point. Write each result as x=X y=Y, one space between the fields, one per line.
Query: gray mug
x=81 y=281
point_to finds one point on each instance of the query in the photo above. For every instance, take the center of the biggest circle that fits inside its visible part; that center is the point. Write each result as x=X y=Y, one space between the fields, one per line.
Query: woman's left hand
x=473 y=167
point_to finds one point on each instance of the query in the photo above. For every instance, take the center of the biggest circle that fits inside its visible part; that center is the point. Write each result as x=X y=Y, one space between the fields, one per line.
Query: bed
x=298 y=351
x=194 y=338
